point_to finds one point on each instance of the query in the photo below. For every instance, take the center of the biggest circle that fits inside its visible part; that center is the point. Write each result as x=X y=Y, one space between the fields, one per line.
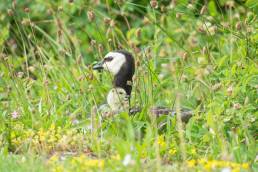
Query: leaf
x=212 y=8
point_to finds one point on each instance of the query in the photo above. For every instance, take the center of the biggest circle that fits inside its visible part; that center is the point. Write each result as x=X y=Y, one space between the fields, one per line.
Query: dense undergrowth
x=201 y=55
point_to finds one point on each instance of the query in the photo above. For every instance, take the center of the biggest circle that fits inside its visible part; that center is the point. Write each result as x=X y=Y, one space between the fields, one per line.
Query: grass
x=204 y=59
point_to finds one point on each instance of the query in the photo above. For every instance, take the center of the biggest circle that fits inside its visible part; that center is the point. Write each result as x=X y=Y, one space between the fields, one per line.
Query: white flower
x=127 y=160
x=226 y=169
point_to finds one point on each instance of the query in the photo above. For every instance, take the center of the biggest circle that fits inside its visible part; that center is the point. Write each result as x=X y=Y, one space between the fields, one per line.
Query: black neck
x=124 y=82
x=124 y=77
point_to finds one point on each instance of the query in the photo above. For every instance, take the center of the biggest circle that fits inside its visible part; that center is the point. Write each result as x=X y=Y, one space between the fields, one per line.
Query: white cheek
x=116 y=64
x=116 y=68
x=113 y=67
x=106 y=67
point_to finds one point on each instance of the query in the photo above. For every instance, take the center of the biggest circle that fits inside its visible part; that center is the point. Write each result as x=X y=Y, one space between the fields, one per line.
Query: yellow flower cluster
x=172 y=151
x=84 y=163
x=58 y=168
x=78 y=163
x=216 y=164
x=164 y=147
x=161 y=141
x=47 y=139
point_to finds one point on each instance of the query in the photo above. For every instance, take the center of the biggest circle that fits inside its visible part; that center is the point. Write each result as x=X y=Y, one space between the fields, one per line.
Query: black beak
x=98 y=66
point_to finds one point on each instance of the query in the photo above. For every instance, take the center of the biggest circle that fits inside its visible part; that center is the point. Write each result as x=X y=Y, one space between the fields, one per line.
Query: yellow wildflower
x=245 y=166
x=213 y=164
x=52 y=126
x=116 y=157
x=42 y=134
x=172 y=151
x=53 y=159
x=95 y=163
x=191 y=163
x=236 y=169
x=58 y=168
x=88 y=163
x=232 y=164
x=208 y=166
x=161 y=141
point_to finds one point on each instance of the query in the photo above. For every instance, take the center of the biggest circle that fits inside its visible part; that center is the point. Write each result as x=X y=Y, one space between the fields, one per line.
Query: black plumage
x=123 y=78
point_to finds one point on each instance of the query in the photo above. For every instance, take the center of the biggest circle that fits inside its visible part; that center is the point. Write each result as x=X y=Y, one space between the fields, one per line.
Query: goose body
x=121 y=65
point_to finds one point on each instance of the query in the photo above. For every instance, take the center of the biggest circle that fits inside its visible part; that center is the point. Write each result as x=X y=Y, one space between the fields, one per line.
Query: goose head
x=121 y=65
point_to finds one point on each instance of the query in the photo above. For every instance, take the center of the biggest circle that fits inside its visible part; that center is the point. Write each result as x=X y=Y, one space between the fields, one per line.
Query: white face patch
x=115 y=64
x=118 y=100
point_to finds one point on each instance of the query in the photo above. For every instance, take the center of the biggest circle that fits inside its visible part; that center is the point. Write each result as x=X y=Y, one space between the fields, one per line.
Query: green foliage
x=202 y=56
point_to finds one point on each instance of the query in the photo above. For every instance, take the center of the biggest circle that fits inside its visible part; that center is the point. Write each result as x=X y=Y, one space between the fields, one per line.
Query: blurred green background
x=204 y=50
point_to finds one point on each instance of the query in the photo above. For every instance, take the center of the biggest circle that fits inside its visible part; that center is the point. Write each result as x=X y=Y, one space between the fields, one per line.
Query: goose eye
x=108 y=59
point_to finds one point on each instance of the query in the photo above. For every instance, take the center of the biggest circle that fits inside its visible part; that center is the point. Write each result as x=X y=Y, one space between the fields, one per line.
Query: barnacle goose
x=122 y=66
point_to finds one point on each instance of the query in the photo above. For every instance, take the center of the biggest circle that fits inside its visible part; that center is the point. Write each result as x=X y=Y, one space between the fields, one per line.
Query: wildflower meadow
x=196 y=54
